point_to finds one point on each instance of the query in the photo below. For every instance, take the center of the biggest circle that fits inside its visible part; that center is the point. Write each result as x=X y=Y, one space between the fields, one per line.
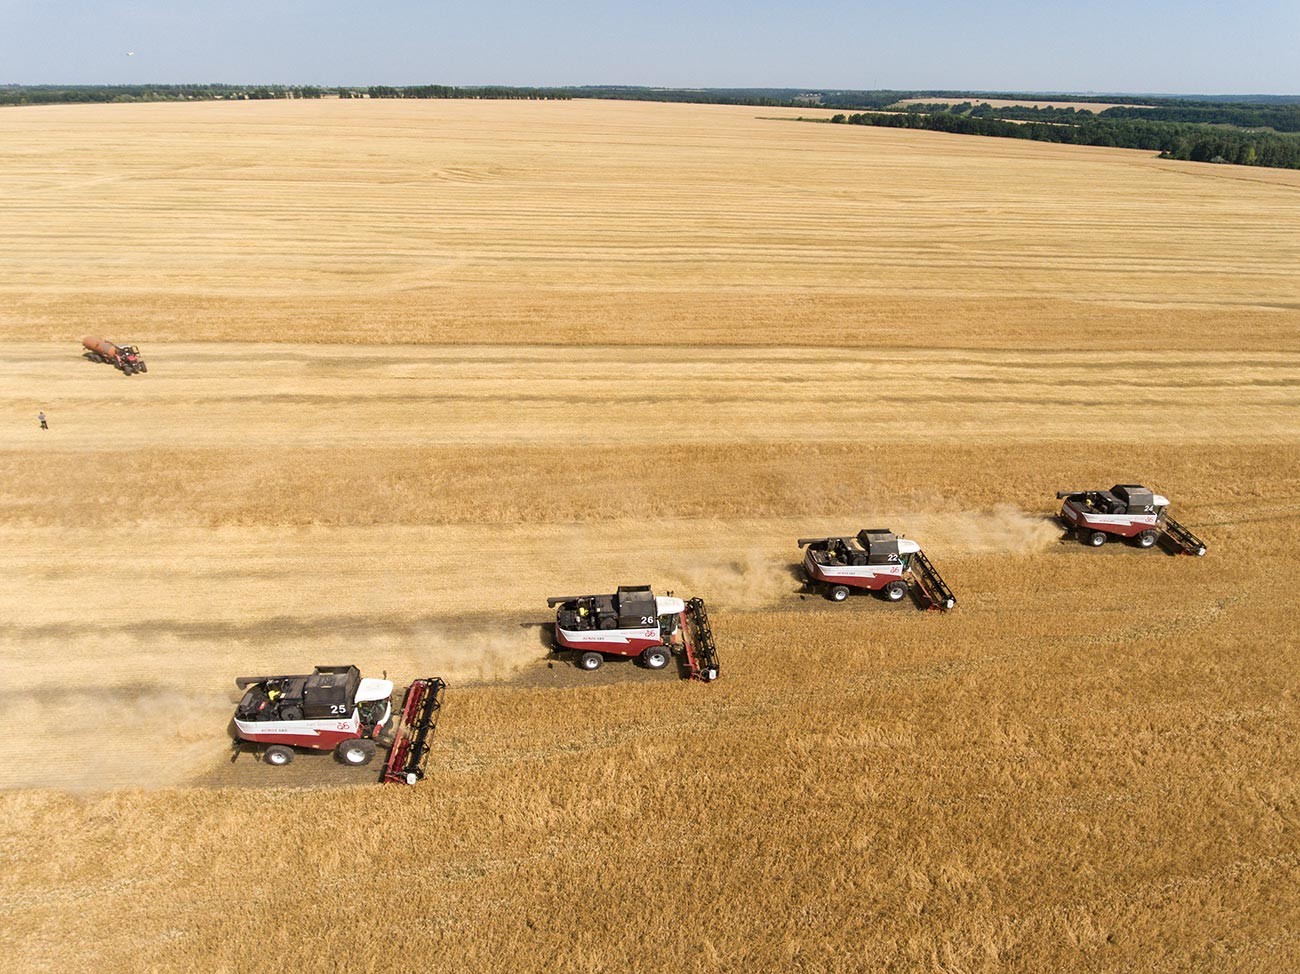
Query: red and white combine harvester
x=334 y=709
x=1125 y=511
x=634 y=623
x=876 y=560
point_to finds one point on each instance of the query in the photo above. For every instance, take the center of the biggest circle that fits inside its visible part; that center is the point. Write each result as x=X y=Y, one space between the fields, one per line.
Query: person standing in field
x=41 y=417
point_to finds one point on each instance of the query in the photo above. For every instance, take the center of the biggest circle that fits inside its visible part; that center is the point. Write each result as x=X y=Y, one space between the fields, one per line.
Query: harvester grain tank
x=125 y=358
x=1128 y=511
x=874 y=560
x=334 y=709
x=634 y=623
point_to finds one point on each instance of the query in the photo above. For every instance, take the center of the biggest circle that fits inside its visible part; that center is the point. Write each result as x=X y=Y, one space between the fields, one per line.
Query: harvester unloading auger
x=634 y=623
x=1125 y=511
x=875 y=560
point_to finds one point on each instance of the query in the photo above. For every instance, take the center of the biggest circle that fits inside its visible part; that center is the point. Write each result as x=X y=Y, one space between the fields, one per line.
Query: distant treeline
x=1173 y=140
x=1280 y=112
x=762 y=97
x=108 y=94
x=451 y=91
x=1280 y=118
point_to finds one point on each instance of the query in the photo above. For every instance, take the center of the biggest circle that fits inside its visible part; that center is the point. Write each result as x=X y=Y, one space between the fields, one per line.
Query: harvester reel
x=590 y=661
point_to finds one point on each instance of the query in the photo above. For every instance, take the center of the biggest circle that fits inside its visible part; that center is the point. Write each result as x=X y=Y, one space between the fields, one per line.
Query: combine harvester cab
x=876 y=560
x=1128 y=511
x=125 y=358
x=634 y=623
x=334 y=709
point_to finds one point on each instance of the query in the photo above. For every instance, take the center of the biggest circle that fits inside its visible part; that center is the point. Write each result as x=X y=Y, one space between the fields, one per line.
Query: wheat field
x=414 y=367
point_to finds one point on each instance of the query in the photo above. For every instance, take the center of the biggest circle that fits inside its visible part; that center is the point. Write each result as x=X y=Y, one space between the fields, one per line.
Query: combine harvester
x=124 y=358
x=877 y=560
x=1125 y=511
x=634 y=623
x=333 y=708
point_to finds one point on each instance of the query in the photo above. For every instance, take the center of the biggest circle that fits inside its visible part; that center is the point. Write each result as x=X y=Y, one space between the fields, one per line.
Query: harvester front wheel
x=655 y=658
x=1096 y=539
x=590 y=661
x=839 y=593
x=895 y=591
x=356 y=752
x=278 y=755
x=1146 y=539
x=143 y=367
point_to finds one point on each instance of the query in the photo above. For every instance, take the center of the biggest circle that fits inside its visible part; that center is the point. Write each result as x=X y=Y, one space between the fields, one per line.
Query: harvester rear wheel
x=590 y=661
x=655 y=658
x=1096 y=539
x=895 y=591
x=1147 y=538
x=278 y=755
x=356 y=752
x=839 y=593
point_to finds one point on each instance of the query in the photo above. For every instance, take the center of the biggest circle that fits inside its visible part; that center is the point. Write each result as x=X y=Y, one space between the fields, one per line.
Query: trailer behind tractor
x=124 y=358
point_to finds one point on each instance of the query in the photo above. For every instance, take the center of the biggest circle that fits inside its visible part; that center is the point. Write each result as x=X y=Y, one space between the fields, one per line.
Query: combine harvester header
x=874 y=560
x=634 y=623
x=1125 y=511
x=415 y=729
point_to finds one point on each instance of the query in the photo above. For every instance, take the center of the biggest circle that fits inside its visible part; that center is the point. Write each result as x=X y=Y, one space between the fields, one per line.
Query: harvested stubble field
x=414 y=367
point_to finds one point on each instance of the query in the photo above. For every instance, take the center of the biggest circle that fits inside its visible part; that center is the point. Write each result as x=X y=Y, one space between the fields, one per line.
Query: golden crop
x=416 y=366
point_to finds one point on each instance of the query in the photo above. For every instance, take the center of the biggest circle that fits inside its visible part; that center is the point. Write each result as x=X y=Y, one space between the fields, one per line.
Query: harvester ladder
x=697 y=640
x=1188 y=543
x=421 y=709
x=931 y=583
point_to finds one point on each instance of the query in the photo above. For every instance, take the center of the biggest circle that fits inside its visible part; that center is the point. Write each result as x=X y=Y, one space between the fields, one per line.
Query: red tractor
x=1128 y=511
x=334 y=709
x=875 y=560
x=634 y=623
x=125 y=358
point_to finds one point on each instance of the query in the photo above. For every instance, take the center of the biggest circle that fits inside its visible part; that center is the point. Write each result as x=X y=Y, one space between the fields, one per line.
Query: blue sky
x=1163 y=46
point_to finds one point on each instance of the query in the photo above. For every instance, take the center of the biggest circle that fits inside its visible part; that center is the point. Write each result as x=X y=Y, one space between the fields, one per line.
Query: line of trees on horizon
x=1173 y=140
x=1280 y=112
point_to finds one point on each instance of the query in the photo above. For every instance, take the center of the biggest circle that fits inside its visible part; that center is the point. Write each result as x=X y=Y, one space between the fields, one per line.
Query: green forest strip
x=1173 y=140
